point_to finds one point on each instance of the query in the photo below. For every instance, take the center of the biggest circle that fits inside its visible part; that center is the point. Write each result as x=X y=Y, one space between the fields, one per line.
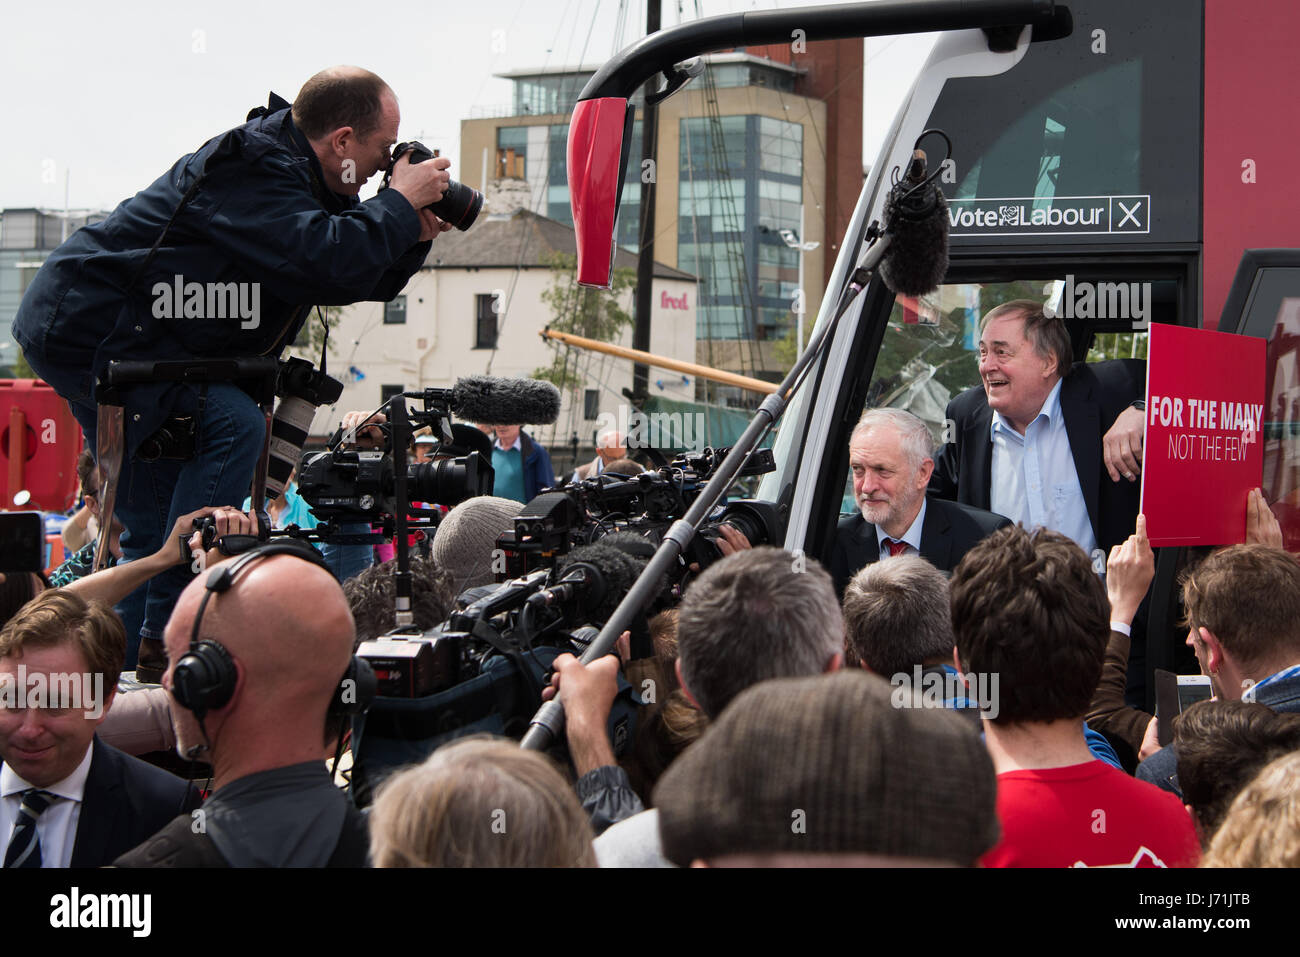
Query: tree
x=582 y=311
x=1118 y=345
x=312 y=333
x=21 y=369
x=785 y=351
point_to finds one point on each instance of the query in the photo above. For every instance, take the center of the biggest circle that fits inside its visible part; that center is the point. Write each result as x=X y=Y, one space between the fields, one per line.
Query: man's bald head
x=610 y=446
x=287 y=626
x=340 y=96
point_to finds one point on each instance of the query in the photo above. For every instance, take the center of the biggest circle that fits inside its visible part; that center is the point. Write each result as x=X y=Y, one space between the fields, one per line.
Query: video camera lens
x=757 y=521
x=449 y=481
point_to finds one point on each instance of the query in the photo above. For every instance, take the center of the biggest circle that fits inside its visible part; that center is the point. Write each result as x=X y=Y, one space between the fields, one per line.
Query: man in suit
x=1029 y=444
x=889 y=453
x=610 y=447
x=66 y=798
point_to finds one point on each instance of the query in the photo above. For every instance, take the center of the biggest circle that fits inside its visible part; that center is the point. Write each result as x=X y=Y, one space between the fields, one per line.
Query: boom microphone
x=601 y=575
x=916 y=216
x=492 y=401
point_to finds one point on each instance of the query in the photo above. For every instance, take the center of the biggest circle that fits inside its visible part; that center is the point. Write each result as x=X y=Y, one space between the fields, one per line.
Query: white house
x=475 y=307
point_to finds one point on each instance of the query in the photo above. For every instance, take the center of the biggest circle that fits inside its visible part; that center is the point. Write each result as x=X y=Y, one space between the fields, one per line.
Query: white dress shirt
x=57 y=827
x=518 y=444
x=1035 y=482
x=912 y=536
x=599 y=468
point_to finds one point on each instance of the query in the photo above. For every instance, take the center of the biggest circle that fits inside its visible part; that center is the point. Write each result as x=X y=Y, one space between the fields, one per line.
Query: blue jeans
x=153 y=495
x=348 y=561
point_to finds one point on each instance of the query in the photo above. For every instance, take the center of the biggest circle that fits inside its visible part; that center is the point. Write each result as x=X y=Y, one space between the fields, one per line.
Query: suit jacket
x=583 y=472
x=949 y=531
x=125 y=802
x=1092 y=396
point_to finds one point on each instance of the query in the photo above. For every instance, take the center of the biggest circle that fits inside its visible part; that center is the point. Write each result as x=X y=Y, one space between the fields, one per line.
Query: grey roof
x=523 y=241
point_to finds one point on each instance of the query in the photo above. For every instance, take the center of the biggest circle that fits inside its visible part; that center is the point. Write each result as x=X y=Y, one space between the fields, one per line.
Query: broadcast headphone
x=205 y=677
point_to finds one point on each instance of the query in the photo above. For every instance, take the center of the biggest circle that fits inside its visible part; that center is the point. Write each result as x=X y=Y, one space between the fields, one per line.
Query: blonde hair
x=480 y=802
x=1262 y=827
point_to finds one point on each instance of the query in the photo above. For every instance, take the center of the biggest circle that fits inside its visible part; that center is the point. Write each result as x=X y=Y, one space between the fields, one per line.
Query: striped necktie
x=25 y=844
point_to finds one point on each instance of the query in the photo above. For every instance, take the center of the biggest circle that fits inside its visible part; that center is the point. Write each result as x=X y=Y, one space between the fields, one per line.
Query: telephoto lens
x=460 y=204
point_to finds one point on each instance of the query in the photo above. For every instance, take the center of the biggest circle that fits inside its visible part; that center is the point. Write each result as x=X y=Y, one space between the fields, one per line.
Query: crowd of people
x=961 y=684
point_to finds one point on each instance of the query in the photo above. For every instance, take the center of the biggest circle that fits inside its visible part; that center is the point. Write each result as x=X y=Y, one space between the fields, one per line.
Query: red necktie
x=895 y=548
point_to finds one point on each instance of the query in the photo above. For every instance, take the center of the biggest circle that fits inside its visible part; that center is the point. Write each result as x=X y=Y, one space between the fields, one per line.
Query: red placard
x=1203 y=452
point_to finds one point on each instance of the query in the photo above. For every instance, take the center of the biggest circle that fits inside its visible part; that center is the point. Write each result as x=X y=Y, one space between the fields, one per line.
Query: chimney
x=505 y=196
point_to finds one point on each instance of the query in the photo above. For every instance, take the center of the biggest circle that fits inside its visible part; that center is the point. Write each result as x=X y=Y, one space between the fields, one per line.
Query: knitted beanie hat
x=467 y=535
x=828 y=765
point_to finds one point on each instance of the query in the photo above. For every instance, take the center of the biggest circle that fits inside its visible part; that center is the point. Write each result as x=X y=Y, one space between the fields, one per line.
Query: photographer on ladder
x=224 y=256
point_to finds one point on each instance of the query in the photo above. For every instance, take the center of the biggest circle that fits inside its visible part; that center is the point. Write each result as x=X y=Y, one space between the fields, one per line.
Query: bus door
x=1071 y=183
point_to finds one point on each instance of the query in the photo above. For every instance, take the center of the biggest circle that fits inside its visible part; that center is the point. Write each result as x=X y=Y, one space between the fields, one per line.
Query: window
x=20 y=230
x=1269 y=304
x=591 y=404
x=486 y=311
x=395 y=312
x=550 y=93
x=1062 y=129
x=512 y=152
x=780 y=147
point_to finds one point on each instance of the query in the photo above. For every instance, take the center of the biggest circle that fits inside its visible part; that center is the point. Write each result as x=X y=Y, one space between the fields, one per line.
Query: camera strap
x=225 y=148
x=485 y=632
x=148 y=258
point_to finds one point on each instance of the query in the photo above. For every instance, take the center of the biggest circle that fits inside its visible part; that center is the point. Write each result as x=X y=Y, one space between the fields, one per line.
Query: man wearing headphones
x=259 y=649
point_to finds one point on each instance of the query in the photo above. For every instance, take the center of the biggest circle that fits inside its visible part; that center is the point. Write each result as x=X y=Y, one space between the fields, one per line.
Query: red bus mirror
x=600 y=134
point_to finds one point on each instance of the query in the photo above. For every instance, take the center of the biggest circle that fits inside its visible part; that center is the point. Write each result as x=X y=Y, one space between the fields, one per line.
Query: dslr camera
x=459 y=205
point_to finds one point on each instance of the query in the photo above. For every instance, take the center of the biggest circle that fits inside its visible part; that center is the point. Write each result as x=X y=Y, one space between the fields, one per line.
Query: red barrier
x=39 y=446
x=54 y=546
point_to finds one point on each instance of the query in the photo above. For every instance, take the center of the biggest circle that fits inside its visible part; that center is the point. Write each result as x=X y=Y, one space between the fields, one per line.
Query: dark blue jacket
x=260 y=214
x=538 y=473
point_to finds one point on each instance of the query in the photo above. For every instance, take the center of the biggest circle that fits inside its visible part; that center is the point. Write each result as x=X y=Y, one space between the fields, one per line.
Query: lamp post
x=792 y=239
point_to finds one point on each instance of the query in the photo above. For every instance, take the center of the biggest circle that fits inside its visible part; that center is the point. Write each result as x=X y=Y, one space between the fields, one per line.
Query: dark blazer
x=1092 y=397
x=126 y=801
x=538 y=473
x=949 y=531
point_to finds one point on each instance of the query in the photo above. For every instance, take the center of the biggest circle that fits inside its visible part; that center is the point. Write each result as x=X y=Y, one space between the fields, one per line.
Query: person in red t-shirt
x=1031 y=621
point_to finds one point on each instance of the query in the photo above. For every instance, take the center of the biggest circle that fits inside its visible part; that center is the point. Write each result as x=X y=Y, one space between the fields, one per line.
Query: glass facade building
x=741 y=183
x=730 y=179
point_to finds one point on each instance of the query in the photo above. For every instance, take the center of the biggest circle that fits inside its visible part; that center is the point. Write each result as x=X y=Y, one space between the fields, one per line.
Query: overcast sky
x=114 y=93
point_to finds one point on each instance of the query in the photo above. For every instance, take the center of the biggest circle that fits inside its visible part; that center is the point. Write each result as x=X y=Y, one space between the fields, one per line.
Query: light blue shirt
x=912 y=536
x=1286 y=674
x=296 y=511
x=1035 y=482
x=508 y=468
